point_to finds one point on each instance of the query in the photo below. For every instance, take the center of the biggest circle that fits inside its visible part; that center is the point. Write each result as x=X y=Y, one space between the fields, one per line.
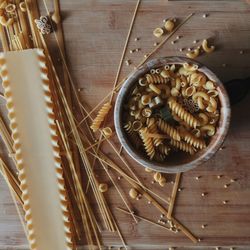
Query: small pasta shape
x=182 y=146
x=136 y=125
x=209 y=129
x=155 y=79
x=209 y=85
x=100 y=116
x=169 y=25
x=190 y=91
x=196 y=132
x=158 y=32
x=148 y=143
x=183 y=71
x=193 y=54
x=169 y=130
x=206 y=48
x=197 y=79
x=201 y=94
x=146 y=99
x=152 y=128
x=200 y=103
x=190 y=67
x=154 y=88
x=166 y=89
x=142 y=82
x=175 y=92
x=159 y=157
x=146 y=112
x=107 y=132
x=203 y=119
x=128 y=127
x=212 y=107
x=213 y=93
x=193 y=141
x=182 y=113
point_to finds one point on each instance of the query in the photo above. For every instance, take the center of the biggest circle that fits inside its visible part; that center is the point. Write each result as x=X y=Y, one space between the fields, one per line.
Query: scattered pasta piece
x=169 y=25
x=193 y=54
x=107 y=132
x=206 y=48
x=158 y=32
x=133 y=193
x=103 y=187
x=100 y=116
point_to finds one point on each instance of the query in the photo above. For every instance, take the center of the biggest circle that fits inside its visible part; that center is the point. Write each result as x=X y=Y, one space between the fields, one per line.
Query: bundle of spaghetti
x=182 y=146
x=102 y=113
x=177 y=109
x=152 y=128
x=148 y=142
x=155 y=78
x=169 y=130
x=193 y=140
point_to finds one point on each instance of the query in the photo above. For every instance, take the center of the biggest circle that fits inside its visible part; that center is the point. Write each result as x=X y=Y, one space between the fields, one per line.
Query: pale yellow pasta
x=182 y=113
x=178 y=83
x=184 y=81
x=183 y=71
x=200 y=103
x=156 y=78
x=167 y=67
x=190 y=91
x=172 y=67
x=146 y=112
x=213 y=93
x=182 y=146
x=128 y=127
x=193 y=54
x=175 y=92
x=137 y=114
x=209 y=129
x=203 y=119
x=209 y=85
x=6 y=22
x=152 y=128
x=166 y=74
x=142 y=82
x=100 y=116
x=148 y=143
x=169 y=25
x=212 y=105
x=201 y=94
x=198 y=79
x=107 y=131
x=190 y=67
x=206 y=48
x=158 y=32
x=169 y=130
x=154 y=88
x=140 y=105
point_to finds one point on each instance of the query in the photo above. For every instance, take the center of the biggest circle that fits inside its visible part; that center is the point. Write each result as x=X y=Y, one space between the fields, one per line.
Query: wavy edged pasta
x=182 y=146
x=169 y=130
x=155 y=78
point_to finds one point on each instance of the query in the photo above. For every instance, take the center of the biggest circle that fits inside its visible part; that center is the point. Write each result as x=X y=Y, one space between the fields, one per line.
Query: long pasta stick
x=119 y=70
x=173 y=195
x=149 y=198
x=144 y=219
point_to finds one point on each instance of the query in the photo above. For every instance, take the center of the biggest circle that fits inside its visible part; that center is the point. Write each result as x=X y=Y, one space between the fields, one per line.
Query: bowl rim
x=210 y=150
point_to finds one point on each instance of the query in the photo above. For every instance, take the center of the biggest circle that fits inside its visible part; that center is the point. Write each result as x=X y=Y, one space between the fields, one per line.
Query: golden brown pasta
x=183 y=146
x=155 y=79
x=182 y=113
x=152 y=128
x=100 y=116
x=169 y=130
x=193 y=141
x=148 y=143
x=164 y=149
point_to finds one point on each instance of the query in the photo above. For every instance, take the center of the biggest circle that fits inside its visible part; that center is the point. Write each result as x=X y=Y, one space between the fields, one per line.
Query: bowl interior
x=178 y=162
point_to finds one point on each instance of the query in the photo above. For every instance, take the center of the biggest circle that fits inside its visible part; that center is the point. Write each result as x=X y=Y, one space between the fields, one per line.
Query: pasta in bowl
x=172 y=114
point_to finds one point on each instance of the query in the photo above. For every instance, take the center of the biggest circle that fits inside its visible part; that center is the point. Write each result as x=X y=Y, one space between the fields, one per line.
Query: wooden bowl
x=183 y=162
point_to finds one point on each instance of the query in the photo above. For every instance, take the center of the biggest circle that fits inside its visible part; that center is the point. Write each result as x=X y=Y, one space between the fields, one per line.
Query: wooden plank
x=95 y=32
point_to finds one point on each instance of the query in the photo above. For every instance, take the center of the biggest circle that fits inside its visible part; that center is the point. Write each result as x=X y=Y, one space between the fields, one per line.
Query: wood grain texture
x=95 y=32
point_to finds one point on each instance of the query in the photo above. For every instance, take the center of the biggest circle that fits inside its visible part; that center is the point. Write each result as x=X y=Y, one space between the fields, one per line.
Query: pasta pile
x=172 y=109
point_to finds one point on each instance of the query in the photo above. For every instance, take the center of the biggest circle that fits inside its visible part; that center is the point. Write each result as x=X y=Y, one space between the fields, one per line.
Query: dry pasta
x=172 y=109
x=100 y=116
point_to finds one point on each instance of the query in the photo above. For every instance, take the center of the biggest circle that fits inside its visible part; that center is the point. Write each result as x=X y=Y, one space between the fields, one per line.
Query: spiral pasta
x=100 y=116
x=164 y=149
x=147 y=142
x=169 y=130
x=193 y=140
x=155 y=78
x=182 y=113
x=152 y=127
x=182 y=146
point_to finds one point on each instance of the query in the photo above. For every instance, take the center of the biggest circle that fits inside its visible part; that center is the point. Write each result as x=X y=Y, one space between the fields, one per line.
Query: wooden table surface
x=95 y=33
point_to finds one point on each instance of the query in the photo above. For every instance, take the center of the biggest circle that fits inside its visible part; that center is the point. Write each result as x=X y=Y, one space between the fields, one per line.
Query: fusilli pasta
x=148 y=143
x=169 y=130
x=182 y=146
